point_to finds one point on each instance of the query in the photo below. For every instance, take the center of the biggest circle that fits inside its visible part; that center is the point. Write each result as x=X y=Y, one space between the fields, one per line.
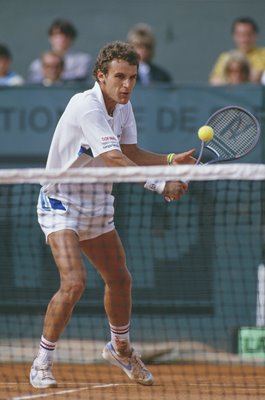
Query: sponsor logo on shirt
x=109 y=141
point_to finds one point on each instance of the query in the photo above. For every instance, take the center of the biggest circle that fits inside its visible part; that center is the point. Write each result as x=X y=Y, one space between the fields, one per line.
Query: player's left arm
x=143 y=157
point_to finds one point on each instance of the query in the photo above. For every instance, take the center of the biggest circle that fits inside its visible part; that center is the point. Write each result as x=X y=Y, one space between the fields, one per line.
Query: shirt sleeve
x=257 y=58
x=218 y=68
x=35 y=72
x=97 y=133
x=77 y=66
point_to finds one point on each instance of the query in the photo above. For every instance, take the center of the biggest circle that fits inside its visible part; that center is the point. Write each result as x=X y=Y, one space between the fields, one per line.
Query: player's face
x=117 y=85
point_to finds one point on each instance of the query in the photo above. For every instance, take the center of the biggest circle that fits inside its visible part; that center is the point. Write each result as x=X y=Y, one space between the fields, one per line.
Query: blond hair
x=239 y=58
x=142 y=35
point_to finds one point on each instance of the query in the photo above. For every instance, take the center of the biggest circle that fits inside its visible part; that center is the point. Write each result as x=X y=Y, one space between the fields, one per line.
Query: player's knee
x=74 y=289
x=127 y=280
x=123 y=280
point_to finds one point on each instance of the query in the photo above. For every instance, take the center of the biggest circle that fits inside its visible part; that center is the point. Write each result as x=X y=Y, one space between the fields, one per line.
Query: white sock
x=46 y=351
x=120 y=338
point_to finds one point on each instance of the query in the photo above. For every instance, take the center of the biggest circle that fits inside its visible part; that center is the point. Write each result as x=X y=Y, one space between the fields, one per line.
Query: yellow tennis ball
x=206 y=133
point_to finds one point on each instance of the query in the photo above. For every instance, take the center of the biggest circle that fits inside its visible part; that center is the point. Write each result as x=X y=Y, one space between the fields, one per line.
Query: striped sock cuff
x=120 y=330
x=46 y=344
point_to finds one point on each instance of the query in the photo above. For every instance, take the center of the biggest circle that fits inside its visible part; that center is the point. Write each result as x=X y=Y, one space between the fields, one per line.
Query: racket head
x=236 y=133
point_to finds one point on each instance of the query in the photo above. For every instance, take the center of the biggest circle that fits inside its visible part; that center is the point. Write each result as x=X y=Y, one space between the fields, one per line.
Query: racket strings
x=236 y=132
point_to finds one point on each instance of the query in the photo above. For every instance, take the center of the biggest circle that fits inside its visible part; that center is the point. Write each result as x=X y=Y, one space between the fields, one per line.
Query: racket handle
x=187 y=180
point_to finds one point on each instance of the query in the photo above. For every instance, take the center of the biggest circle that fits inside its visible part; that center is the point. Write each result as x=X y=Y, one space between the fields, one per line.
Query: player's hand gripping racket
x=229 y=134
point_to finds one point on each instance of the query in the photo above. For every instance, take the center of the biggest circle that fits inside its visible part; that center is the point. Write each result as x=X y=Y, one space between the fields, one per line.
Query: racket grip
x=187 y=180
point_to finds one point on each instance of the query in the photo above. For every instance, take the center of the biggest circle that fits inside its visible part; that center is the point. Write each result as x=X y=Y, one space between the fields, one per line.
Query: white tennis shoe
x=41 y=376
x=132 y=365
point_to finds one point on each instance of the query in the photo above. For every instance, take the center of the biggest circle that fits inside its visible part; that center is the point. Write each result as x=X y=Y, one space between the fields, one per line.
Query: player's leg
x=107 y=255
x=66 y=252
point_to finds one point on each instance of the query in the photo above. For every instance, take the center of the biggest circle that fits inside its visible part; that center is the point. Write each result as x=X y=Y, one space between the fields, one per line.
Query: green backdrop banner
x=167 y=117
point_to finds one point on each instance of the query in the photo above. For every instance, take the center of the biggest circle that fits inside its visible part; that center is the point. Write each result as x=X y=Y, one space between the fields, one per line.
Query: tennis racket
x=236 y=133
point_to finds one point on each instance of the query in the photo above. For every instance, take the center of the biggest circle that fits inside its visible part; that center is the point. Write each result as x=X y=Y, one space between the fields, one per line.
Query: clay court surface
x=178 y=382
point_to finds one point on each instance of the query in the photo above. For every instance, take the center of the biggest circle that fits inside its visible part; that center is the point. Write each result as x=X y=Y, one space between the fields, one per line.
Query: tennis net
x=198 y=315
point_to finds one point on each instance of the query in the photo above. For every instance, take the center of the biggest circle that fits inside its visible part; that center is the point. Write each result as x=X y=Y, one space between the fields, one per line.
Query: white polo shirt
x=85 y=124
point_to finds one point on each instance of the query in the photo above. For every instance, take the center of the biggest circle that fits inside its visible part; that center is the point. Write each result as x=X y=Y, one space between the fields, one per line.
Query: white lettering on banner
x=166 y=119
x=38 y=119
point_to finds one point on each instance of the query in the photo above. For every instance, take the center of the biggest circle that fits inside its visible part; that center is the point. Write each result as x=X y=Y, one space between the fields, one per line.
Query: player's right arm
x=115 y=158
x=171 y=190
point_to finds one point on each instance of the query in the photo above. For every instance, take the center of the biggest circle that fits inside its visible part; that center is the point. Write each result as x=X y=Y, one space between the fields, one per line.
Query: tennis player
x=79 y=220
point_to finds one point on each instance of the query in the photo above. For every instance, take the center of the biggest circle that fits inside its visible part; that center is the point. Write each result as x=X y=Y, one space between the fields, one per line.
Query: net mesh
x=198 y=285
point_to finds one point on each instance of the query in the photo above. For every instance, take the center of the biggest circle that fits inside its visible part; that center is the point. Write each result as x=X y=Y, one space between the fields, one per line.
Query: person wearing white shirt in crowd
x=8 y=77
x=77 y=65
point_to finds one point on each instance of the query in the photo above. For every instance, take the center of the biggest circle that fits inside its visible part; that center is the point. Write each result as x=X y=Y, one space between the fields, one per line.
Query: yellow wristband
x=170 y=158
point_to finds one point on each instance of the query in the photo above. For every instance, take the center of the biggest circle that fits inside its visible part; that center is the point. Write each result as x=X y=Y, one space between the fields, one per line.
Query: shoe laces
x=45 y=370
x=138 y=364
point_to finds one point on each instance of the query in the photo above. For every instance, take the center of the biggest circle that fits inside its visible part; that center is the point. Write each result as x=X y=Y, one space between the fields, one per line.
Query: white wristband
x=155 y=186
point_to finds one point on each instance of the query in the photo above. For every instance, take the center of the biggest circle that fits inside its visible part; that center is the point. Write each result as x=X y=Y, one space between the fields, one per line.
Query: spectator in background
x=245 y=34
x=77 y=65
x=7 y=76
x=236 y=69
x=52 y=69
x=143 y=40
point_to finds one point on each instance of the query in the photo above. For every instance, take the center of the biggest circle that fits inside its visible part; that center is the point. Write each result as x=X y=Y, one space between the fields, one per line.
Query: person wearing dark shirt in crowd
x=8 y=77
x=143 y=40
x=77 y=65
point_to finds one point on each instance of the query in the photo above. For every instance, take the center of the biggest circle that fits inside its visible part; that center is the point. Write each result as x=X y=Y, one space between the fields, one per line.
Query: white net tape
x=134 y=174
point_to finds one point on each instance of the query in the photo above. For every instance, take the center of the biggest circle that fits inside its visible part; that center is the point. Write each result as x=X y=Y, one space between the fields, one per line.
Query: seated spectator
x=236 y=69
x=52 y=69
x=143 y=39
x=7 y=76
x=245 y=34
x=77 y=65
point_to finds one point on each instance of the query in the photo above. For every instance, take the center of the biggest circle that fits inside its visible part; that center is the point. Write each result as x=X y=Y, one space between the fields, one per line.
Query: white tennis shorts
x=55 y=215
